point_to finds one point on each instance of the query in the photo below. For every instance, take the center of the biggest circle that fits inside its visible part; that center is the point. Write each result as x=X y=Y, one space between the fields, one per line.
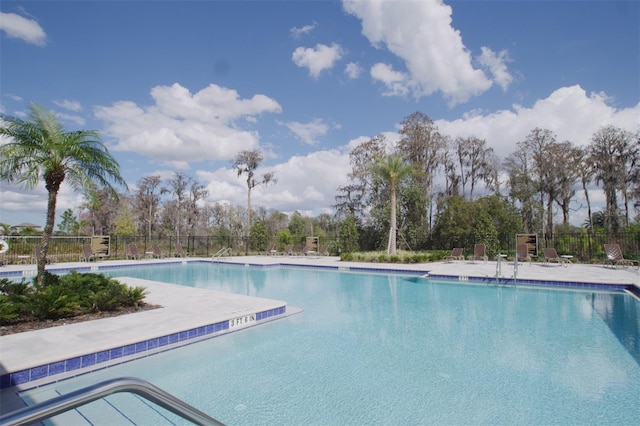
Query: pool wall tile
x=37 y=373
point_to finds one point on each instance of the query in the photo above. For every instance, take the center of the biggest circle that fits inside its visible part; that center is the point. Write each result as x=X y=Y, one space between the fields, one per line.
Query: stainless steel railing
x=75 y=399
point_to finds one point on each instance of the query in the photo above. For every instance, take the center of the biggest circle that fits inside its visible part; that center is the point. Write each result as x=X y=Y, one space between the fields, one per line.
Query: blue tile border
x=120 y=353
x=529 y=282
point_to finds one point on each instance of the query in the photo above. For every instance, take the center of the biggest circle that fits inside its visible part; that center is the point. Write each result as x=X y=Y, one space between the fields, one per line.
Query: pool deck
x=187 y=308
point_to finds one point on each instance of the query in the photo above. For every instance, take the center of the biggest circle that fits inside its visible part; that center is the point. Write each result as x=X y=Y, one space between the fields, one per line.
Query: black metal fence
x=585 y=247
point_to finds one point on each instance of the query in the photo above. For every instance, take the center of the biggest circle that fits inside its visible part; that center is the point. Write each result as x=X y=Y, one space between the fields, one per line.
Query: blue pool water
x=392 y=349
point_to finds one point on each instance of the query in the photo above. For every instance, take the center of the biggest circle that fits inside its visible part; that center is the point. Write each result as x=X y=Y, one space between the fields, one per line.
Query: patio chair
x=324 y=250
x=551 y=255
x=479 y=253
x=615 y=256
x=456 y=254
x=522 y=250
x=157 y=252
x=87 y=254
x=132 y=252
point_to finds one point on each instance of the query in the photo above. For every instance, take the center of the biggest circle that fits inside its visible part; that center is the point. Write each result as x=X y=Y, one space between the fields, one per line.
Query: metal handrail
x=77 y=398
x=221 y=253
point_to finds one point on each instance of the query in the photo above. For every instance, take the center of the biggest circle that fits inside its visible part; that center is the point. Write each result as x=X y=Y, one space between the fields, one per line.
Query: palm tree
x=246 y=162
x=392 y=169
x=40 y=149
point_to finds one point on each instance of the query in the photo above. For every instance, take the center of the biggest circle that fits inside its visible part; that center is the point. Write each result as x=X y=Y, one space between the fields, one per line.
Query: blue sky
x=185 y=85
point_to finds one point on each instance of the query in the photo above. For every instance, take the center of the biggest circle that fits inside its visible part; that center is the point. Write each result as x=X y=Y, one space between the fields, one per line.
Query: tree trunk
x=586 y=197
x=41 y=256
x=391 y=248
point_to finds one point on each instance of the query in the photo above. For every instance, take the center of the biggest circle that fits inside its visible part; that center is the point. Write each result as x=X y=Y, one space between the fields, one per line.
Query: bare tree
x=247 y=162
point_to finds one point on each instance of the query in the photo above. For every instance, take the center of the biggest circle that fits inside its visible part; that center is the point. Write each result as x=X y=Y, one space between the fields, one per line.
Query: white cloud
x=297 y=32
x=352 y=70
x=569 y=112
x=308 y=133
x=396 y=82
x=421 y=34
x=496 y=65
x=317 y=59
x=70 y=105
x=76 y=119
x=16 y=26
x=182 y=127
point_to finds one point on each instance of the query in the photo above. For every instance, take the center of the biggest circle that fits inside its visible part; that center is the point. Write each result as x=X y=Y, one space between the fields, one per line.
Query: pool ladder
x=60 y=404
x=216 y=257
x=499 y=269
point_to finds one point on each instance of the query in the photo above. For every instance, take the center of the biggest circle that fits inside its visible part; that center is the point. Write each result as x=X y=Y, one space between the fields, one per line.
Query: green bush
x=64 y=296
x=401 y=257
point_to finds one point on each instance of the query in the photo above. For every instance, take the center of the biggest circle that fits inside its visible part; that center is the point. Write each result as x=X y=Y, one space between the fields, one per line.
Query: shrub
x=64 y=296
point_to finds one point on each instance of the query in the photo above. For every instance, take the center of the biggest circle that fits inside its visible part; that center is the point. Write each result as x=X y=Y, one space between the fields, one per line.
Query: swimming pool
x=396 y=349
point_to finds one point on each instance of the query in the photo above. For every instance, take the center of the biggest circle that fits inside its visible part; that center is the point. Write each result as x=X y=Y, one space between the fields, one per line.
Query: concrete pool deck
x=187 y=308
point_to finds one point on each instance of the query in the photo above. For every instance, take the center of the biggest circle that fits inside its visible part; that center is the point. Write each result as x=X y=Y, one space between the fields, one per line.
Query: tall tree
x=474 y=159
x=178 y=187
x=422 y=145
x=247 y=162
x=353 y=198
x=148 y=201
x=523 y=188
x=392 y=170
x=39 y=149
x=69 y=225
x=197 y=192
x=567 y=168
x=613 y=151
x=586 y=172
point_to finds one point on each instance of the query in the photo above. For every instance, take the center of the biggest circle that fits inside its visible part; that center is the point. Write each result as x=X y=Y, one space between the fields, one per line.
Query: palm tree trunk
x=391 y=249
x=46 y=235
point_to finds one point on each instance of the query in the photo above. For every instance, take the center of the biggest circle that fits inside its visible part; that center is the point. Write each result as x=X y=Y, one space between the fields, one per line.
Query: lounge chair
x=456 y=254
x=87 y=254
x=132 y=252
x=288 y=250
x=522 y=250
x=479 y=253
x=615 y=256
x=157 y=252
x=179 y=251
x=272 y=250
x=551 y=255
x=309 y=251
x=324 y=250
